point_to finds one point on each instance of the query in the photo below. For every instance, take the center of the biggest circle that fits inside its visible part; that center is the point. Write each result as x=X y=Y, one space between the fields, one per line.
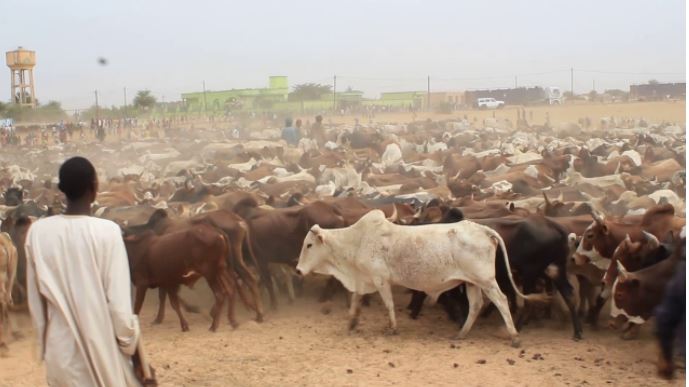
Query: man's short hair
x=77 y=176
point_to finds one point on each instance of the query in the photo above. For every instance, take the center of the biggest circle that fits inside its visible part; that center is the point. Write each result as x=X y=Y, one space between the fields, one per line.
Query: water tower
x=21 y=63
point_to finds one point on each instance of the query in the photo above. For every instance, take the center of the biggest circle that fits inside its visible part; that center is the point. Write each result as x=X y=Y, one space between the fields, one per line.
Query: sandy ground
x=299 y=346
x=654 y=112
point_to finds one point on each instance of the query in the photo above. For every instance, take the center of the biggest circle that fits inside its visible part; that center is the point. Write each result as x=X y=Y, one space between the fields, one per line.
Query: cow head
x=314 y=252
x=595 y=243
x=627 y=289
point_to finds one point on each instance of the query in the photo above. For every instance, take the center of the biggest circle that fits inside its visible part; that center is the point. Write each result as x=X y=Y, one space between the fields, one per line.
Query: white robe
x=80 y=301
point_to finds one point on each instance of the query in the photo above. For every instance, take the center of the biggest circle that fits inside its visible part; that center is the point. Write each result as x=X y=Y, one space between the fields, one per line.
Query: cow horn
x=651 y=239
x=547 y=201
x=561 y=198
x=598 y=217
x=623 y=271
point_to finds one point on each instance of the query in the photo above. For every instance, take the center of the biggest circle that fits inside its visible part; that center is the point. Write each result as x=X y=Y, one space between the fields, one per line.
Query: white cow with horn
x=373 y=254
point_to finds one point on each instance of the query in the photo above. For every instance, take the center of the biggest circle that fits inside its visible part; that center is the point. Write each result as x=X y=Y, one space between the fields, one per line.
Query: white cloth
x=80 y=301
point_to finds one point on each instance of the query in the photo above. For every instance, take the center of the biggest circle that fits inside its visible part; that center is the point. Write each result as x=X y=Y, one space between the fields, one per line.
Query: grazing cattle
x=374 y=254
x=8 y=272
x=276 y=235
x=182 y=257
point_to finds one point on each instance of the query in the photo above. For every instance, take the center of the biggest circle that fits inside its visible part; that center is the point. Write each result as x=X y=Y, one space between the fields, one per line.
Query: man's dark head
x=78 y=179
x=319 y=118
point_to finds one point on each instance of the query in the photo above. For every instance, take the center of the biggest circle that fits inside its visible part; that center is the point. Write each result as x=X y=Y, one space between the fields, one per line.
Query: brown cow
x=182 y=257
x=277 y=234
x=237 y=232
x=8 y=272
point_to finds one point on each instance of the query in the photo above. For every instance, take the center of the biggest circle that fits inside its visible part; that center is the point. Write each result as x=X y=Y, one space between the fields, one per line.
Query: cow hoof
x=390 y=332
x=4 y=350
x=185 y=328
x=259 y=318
x=213 y=329
x=326 y=309
x=516 y=343
x=234 y=324
x=577 y=337
x=157 y=322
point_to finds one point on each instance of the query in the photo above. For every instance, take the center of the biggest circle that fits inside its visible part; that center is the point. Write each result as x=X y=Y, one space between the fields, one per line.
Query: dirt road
x=299 y=346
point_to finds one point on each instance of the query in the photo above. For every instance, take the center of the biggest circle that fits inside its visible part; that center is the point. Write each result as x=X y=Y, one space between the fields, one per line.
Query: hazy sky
x=171 y=46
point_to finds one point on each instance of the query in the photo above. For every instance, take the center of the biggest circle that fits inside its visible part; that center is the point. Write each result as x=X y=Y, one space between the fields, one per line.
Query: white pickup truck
x=489 y=103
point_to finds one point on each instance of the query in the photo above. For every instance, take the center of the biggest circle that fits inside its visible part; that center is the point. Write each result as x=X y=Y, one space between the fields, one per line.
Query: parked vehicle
x=489 y=103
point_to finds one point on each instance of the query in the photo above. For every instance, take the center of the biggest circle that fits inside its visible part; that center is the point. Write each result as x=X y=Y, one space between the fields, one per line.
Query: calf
x=182 y=257
x=373 y=254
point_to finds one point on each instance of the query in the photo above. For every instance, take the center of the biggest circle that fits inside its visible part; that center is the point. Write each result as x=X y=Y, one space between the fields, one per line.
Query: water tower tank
x=21 y=63
x=20 y=59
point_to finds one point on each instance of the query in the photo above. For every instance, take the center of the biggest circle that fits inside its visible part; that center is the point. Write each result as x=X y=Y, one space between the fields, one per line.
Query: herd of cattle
x=564 y=217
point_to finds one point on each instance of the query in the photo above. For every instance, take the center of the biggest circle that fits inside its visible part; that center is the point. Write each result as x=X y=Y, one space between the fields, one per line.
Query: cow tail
x=250 y=250
x=538 y=297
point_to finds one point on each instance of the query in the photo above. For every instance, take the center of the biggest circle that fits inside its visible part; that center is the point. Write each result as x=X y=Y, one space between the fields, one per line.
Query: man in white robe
x=79 y=290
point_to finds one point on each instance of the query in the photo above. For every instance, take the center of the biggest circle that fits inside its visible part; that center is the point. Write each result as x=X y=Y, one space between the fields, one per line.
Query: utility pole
x=334 y=93
x=594 y=85
x=97 y=109
x=205 y=107
x=515 y=81
x=571 y=89
x=429 y=93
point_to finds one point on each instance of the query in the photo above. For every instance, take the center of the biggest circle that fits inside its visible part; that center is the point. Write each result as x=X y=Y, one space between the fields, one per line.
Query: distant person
x=79 y=290
x=318 y=131
x=289 y=133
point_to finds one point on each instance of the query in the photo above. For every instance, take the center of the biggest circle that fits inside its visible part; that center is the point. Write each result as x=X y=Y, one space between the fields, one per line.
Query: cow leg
x=174 y=301
x=267 y=281
x=566 y=291
x=354 y=310
x=416 y=303
x=224 y=285
x=250 y=301
x=162 y=297
x=140 y=296
x=386 y=294
x=475 y=303
x=594 y=311
x=498 y=298
x=329 y=290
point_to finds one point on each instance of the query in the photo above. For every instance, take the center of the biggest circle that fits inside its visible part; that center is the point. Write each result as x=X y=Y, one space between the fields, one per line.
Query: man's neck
x=79 y=207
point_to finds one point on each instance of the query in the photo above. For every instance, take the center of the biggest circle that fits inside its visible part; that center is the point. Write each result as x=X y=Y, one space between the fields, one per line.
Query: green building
x=239 y=99
x=274 y=98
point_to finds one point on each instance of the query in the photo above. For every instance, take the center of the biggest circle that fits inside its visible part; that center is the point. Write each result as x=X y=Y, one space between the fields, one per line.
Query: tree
x=653 y=82
x=593 y=95
x=144 y=100
x=309 y=91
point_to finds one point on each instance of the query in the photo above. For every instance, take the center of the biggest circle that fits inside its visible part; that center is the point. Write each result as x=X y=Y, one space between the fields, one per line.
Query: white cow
x=373 y=254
